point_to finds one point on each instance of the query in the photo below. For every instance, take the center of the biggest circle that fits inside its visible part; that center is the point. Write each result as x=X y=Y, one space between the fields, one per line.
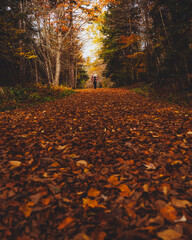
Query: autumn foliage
x=105 y=164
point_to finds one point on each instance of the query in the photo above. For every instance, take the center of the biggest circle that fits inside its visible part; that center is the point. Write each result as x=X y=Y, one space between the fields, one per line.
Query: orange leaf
x=101 y=236
x=169 y=213
x=120 y=160
x=26 y=210
x=125 y=190
x=93 y=192
x=113 y=180
x=45 y=201
x=91 y=203
x=65 y=223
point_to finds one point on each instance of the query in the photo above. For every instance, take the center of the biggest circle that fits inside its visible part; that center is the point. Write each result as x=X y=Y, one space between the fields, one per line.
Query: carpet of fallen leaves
x=104 y=164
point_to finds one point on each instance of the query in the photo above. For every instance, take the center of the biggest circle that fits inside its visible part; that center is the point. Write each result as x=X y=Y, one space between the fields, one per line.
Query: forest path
x=100 y=164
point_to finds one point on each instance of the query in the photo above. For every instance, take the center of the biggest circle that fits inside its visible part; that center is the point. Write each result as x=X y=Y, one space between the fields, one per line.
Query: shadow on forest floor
x=163 y=93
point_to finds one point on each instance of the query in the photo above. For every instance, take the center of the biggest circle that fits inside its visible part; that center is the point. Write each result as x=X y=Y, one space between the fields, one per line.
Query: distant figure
x=94 y=79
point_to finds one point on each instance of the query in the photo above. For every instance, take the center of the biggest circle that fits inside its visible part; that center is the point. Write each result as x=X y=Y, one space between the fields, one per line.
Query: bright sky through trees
x=89 y=45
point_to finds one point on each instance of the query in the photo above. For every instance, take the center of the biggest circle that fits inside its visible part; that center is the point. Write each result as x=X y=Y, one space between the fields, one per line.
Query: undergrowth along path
x=100 y=164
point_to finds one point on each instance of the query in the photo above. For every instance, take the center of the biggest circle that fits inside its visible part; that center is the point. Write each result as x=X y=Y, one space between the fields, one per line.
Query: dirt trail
x=104 y=164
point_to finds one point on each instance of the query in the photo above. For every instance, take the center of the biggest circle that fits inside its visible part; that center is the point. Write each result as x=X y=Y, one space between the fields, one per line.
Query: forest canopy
x=148 y=40
x=143 y=41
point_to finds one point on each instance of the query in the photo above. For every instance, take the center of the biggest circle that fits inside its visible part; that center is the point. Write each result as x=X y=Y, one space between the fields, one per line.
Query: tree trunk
x=21 y=66
x=71 y=60
x=36 y=73
x=58 y=60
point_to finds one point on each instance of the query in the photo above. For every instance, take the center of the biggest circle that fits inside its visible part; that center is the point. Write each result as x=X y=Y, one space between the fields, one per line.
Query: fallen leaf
x=81 y=163
x=26 y=209
x=180 y=203
x=101 y=236
x=15 y=163
x=61 y=147
x=113 y=180
x=189 y=133
x=176 y=162
x=128 y=144
x=85 y=236
x=65 y=223
x=146 y=188
x=169 y=212
x=184 y=146
x=182 y=219
x=156 y=223
x=93 y=192
x=169 y=234
x=91 y=203
x=130 y=209
x=125 y=190
x=165 y=188
x=73 y=156
x=55 y=164
x=45 y=201
x=35 y=198
x=150 y=166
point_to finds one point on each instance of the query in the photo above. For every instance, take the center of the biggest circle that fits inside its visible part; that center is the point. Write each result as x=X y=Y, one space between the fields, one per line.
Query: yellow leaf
x=45 y=175
x=65 y=223
x=15 y=163
x=146 y=188
x=93 y=192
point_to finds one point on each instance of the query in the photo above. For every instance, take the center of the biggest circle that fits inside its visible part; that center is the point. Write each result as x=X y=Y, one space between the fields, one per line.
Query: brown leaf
x=130 y=209
x=169 y=234
x=180 y=203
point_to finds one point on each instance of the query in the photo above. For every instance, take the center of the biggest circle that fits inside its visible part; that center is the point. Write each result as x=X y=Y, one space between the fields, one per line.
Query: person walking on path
x=94 y=80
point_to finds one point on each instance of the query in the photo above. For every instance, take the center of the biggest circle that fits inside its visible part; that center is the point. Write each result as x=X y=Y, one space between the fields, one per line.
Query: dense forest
x=143 y=41
x=148 y=40
x=39 y=41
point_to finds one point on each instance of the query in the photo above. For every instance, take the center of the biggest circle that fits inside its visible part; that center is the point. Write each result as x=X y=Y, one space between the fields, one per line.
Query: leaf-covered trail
x=105 y=164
